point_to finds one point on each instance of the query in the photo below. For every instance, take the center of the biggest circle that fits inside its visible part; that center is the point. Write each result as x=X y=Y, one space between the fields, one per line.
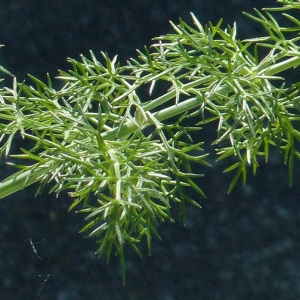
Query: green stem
x=20 y=181
x=282 y=66
x=170 y=95
x=129 y=126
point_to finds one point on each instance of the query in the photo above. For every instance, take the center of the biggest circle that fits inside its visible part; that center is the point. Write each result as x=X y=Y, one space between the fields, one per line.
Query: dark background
x=239 y=246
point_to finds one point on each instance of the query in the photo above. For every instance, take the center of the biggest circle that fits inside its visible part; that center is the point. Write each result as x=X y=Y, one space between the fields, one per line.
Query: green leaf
x=127 y=160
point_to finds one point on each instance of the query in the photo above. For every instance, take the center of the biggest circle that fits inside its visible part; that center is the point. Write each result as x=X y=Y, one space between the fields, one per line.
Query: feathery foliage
x=124 y=155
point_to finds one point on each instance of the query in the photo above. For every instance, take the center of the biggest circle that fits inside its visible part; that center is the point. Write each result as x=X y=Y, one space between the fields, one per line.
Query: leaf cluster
x=125 y=156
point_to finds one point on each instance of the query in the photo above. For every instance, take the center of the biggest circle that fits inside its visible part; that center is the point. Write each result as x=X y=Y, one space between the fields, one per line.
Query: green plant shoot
x=125 y=140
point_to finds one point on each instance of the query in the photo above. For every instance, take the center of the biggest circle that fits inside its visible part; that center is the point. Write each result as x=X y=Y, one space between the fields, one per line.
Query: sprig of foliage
x=125 y=156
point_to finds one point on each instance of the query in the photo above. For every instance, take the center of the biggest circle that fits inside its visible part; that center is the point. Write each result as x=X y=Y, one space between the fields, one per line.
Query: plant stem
x=282 y=66
x=20 y=181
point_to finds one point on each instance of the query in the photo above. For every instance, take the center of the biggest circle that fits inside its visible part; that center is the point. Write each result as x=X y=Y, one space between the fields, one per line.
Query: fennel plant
x=126 y=157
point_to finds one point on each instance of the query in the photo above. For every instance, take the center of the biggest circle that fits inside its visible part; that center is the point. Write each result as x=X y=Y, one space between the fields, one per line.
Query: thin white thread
x=33 y=247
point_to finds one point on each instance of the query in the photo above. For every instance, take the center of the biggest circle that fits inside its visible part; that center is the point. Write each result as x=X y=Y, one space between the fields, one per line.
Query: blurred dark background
x=239 y=246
